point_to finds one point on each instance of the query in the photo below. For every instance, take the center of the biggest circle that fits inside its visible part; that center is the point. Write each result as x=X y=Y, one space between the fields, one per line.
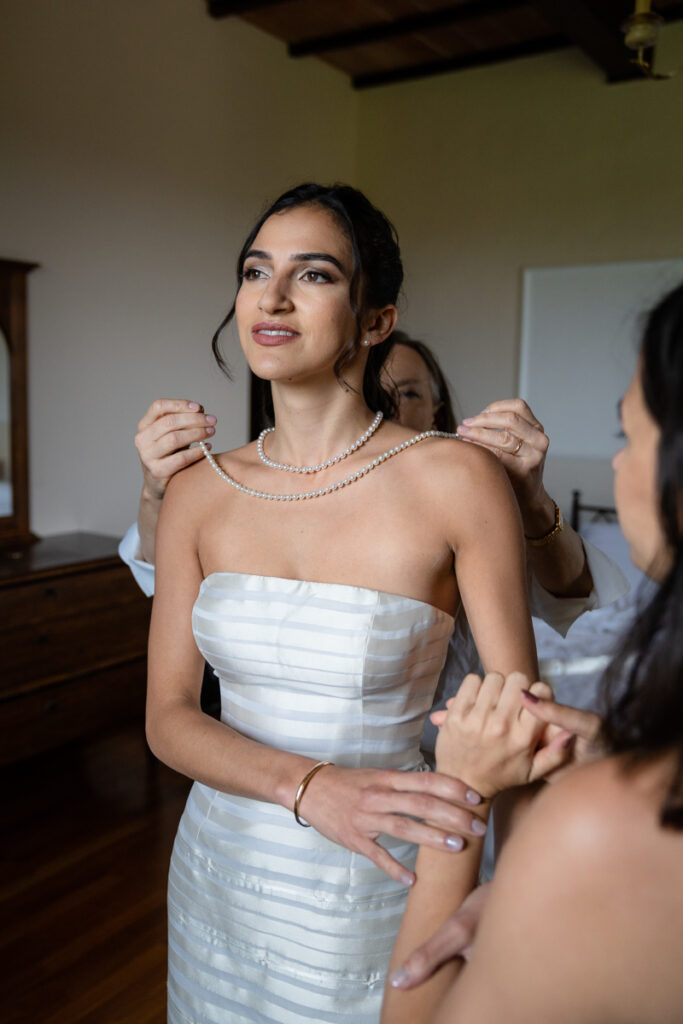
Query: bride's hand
x=354 y=806
x=488 y=738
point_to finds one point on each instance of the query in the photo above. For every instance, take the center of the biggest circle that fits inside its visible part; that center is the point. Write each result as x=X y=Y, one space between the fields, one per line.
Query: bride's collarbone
x=395 y=559
x=377 y=534
x=364 y=476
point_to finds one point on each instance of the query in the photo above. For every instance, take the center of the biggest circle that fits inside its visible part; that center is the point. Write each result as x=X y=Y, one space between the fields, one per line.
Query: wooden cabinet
x=73 y=643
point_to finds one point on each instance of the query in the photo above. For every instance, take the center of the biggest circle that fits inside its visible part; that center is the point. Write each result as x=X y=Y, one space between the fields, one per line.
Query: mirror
x=6 y=503
x=14 y=499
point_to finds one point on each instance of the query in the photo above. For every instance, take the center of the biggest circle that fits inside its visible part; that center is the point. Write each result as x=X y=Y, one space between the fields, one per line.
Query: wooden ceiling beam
x=380 y=31
x=545 y=44
x=225 y=8
x=595 y=27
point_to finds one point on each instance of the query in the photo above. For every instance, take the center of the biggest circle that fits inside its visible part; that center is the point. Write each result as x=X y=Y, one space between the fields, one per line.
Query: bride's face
x=293 y=307
x=635 y=484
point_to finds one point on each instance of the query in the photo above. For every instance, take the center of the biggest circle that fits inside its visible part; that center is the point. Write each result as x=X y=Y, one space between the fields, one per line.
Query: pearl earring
x=366 y=341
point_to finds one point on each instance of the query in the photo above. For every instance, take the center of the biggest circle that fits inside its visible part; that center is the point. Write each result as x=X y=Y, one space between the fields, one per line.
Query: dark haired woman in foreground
x=584 y=921
x=319 y=572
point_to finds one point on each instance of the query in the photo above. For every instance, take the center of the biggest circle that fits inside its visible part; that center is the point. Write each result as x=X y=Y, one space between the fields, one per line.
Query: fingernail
x=407 y=878
x=210 y=418
x=468 y=419
x=194 y=406
x=530 y=696
x=455 y=843
x=399 y=978
x=463 y=428
x=478 y=827
x=209 y=431
x=472 y=797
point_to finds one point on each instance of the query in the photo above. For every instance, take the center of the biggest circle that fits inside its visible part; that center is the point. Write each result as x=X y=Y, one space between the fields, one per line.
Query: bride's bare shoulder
x=449 y=455
x=463 y=479
x=192 y=487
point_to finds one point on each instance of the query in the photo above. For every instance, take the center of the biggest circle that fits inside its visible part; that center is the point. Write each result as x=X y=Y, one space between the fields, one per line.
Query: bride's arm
x=177 y=730
x=350 y=806
x=486 y=537
x=485 y=532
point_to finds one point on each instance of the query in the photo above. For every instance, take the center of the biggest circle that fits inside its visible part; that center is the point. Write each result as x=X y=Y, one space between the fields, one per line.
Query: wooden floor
x=87 y=839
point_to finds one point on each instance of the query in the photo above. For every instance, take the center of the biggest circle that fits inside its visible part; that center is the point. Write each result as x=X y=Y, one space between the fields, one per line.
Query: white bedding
x=573 y=665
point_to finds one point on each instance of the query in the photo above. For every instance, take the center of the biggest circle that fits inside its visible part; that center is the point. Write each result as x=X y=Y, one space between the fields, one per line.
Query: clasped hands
x=489 y=739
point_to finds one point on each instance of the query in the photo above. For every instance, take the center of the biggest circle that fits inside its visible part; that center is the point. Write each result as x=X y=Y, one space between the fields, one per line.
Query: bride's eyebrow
x=297 y=257
x=308 y=257
x=257 y=254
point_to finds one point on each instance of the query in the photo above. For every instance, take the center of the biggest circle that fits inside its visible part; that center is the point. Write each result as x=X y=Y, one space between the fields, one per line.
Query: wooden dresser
x=73 y=643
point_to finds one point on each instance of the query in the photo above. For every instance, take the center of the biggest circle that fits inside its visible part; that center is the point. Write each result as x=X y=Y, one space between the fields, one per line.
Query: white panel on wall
x=580 y=332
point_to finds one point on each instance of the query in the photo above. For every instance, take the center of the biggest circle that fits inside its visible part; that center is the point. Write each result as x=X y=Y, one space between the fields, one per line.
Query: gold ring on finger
x=519 y=445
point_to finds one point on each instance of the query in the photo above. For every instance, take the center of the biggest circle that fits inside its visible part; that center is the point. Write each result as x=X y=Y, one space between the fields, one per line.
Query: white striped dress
x=268 y=921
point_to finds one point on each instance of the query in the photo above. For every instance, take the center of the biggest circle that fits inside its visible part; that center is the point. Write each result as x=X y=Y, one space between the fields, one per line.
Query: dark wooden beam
x=545 y=44
x=414 y=23
x=614 y=12
x=225 y=8
x=595 y=27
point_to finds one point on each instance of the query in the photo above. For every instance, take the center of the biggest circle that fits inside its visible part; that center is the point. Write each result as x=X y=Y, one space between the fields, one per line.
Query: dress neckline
x=329 y=583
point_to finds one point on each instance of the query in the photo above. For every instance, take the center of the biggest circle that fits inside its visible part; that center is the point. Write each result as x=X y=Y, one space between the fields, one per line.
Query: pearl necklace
x=323 y=465
x=331 y=487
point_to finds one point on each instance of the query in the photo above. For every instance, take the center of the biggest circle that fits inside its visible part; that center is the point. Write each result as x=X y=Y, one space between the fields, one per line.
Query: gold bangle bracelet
x=539 y=542
x=302 y=789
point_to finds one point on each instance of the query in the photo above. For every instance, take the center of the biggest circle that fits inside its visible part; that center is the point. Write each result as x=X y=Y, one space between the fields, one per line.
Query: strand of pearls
x=322 y=491
x=323 y=465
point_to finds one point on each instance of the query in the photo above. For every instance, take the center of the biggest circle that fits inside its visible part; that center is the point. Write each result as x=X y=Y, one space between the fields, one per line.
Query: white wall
x=139 y=142
x=535 y=163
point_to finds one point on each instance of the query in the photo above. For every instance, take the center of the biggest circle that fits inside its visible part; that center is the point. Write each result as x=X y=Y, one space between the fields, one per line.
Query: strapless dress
x=269 y=921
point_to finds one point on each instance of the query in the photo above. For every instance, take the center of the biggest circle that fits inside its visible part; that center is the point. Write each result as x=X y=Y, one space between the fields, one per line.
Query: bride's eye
x=252 y=274
x=316 y=276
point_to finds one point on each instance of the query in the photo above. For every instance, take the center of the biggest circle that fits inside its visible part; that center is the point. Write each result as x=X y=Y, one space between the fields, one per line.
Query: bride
x=319 y=573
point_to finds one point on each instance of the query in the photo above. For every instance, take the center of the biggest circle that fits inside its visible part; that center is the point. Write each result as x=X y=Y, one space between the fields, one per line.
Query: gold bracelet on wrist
x=302 y=789
x=539 y=542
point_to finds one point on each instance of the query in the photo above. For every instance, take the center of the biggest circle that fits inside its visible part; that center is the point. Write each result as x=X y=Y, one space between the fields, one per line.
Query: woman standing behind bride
x=319 y=574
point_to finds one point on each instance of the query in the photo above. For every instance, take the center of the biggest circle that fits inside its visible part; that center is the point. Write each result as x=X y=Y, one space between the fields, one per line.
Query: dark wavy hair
x=445 y=416
x=377 y=270
x=645 y=716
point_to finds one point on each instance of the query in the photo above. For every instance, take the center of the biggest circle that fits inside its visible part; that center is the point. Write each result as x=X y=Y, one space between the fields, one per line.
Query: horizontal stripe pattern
x=270 y=922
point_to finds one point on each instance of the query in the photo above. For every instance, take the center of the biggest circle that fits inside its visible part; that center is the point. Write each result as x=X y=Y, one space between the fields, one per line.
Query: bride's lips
x=272 y=333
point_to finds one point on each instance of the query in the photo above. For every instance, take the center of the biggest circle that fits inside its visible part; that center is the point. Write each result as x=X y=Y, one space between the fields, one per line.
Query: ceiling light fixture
x=640 y=34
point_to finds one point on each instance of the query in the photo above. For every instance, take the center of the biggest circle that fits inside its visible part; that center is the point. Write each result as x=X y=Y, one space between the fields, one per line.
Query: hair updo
x=377 y=268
